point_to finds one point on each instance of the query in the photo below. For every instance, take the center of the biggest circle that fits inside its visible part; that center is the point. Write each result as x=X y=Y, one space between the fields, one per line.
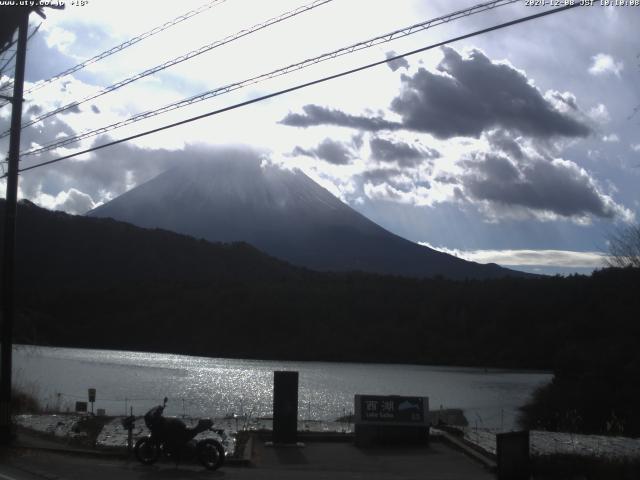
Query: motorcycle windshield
x=153 y=415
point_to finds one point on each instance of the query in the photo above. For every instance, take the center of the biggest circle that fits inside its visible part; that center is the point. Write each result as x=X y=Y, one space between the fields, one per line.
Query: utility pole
x=10 y=209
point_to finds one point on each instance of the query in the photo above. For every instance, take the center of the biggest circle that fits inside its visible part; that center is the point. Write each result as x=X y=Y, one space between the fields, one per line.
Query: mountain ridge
x=56 y=248
x=282 y=213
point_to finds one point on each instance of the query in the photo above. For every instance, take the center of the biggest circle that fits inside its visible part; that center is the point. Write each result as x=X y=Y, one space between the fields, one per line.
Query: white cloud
x=538 y=258
x=71 y=201
x=635 y=147
x=385 y=191
x=59 y=38
x=600 y=114
x=405 y=186
x=605 y=64
x=612 y=138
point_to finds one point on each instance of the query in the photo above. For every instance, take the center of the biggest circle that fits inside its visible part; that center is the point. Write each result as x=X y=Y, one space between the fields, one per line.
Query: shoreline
x=435 y=366
x=107 y=431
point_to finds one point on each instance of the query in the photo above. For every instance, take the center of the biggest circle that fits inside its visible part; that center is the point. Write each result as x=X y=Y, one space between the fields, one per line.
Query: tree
x=624 y=247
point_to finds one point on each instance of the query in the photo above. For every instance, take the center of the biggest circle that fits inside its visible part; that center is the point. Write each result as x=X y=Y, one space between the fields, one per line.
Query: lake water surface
x=215 y=387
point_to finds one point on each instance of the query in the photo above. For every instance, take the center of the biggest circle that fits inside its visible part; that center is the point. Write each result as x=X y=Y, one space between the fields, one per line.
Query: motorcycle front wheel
x=147 y=451
x=210 y=453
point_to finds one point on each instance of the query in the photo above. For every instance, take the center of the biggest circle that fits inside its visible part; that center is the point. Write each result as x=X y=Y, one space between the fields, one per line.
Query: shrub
x=24 y=402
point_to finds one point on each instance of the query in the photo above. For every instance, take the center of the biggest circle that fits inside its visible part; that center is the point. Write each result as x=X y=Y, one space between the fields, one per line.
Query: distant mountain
x=283 y=213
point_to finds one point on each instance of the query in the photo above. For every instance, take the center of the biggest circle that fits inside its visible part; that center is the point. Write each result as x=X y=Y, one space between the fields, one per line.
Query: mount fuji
x=283 y=213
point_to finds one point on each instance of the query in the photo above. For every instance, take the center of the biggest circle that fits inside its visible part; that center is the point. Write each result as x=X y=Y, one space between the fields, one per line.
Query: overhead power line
x=13 y=55
x=123 y=45
x=301 y=86
x=387 y=37
x=5 y=64
x=8 y=46
x=175 y=61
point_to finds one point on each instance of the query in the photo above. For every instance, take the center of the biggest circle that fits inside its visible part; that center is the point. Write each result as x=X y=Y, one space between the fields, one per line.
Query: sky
x=518 y=146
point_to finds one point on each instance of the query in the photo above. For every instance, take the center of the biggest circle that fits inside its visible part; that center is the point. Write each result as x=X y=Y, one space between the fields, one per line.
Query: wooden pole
x=8 y=261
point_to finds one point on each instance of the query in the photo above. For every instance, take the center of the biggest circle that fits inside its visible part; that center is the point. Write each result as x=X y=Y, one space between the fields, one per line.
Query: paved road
x=8 y=472
x=340 y=461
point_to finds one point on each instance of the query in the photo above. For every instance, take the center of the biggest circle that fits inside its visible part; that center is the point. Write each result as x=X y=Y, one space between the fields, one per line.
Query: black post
x=127 y=424
x=285 y=407
x=10 y=208
x=512 y=452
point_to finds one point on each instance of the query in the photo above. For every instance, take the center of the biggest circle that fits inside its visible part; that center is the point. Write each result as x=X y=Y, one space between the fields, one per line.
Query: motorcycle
x=171 y=437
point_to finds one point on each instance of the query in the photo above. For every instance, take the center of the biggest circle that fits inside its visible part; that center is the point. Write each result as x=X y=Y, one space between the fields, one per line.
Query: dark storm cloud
x=329 y=151
x=404 y=154
x=316 y=115
x=499 y=169
x=334 y=152
x=502 y=141
x=558 y=187
x=474 y=94
x=465 y=98
x=397 y=63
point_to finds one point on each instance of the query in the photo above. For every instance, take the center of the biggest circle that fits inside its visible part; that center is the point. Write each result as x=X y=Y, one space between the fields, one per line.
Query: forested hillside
x=101 y=283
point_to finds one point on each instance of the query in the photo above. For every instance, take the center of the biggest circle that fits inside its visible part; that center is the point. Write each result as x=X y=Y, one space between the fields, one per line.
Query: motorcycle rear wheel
x=210 y=453
x=147 y=451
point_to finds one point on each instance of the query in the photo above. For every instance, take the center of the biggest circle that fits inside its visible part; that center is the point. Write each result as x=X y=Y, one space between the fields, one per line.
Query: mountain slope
x=55 y=249
x=283 y=213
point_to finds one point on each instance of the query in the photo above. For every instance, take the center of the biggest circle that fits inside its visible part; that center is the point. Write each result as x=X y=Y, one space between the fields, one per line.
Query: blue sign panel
x=374 y=408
